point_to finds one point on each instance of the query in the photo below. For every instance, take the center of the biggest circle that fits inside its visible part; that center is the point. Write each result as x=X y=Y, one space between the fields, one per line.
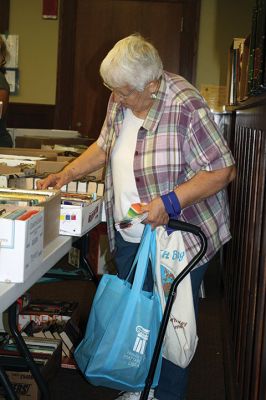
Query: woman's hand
x=55 y=180
x=156 y=213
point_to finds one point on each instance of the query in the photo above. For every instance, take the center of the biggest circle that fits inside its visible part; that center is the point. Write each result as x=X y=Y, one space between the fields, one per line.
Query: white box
x=76 y=220
x=82 y=187
x=17 y=181
x=72 y=186
x=21 y=246
x=51 y=209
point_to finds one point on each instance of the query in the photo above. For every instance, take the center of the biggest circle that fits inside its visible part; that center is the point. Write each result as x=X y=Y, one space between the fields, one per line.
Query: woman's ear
x=152 y=86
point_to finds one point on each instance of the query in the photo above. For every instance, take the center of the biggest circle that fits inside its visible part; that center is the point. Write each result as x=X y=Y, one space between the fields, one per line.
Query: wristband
x=175 y=202
x=168 y=205
x=171 y=204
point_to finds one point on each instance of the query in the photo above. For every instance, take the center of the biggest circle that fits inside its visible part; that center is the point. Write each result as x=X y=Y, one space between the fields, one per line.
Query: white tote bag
x=180 y=341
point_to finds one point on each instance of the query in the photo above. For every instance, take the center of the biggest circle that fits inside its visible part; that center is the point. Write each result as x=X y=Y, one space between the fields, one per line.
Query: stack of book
x=23 y=198
x=45 y=352
x=52 y=320
x=247 y=60
x=42 y=311
x=257 y=51
x=41 y=351
x=49 y=200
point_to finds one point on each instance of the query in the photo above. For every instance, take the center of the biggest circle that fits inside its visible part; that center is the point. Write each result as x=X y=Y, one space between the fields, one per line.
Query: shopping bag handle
x=185 y=227
x=141 y=260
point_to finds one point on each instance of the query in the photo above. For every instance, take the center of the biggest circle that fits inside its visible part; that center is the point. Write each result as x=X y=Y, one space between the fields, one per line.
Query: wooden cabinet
x=244 y=273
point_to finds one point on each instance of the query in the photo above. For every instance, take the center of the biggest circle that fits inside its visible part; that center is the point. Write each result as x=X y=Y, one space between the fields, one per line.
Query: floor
x=207 y=378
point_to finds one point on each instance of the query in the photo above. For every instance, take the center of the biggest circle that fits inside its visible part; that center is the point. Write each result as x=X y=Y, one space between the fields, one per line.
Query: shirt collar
x=153 y=118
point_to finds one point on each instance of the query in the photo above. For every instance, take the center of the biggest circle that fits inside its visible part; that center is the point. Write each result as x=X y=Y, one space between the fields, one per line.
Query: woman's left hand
x=156 y=213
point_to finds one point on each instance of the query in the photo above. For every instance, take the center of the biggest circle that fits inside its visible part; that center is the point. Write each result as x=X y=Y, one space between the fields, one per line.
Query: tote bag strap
x=134 y=264
x=140 y=263
x=153 y=255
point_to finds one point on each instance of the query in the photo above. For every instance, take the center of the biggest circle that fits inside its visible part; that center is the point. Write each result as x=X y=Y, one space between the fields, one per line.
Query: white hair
x=132 y=61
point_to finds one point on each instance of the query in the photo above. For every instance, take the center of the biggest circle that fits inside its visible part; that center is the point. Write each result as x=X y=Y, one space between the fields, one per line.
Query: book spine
x=27 y=215
x=252 y=50
x=263 y=68
x=15 y=214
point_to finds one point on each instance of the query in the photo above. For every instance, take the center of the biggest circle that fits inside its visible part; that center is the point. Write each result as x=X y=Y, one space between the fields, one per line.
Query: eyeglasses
x=121 y=95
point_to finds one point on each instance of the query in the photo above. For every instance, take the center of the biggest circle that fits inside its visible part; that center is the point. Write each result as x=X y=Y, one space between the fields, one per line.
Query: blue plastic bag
x=122 y=328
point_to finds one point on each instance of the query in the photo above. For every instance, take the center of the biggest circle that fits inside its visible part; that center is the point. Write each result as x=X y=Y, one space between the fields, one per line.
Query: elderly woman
x=158 y=140
x=5 y=138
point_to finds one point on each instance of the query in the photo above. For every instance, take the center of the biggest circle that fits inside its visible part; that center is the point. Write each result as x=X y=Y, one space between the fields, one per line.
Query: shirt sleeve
x=205 y=147
x=101 y=141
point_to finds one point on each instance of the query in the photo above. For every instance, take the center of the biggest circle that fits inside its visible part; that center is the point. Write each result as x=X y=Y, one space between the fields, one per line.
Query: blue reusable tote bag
x=122 y=328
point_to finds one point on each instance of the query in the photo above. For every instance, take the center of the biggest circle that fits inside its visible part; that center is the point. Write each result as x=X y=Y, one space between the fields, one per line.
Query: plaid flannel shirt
x=177 y=139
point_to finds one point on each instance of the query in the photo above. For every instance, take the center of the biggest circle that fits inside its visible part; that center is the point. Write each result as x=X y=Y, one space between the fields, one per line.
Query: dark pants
x=173 y=379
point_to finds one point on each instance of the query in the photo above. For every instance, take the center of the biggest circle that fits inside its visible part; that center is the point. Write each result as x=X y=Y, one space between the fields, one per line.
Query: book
x=51 y=308
x=68 y=363
x=67 y=332
x=37 y=349
x=16 y=362
x=134 y=216
x=243 y=84
x=234 y=70
x=27 y=215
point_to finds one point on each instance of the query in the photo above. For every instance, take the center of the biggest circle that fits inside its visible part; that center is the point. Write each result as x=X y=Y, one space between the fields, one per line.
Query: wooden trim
x=4 y=15
x=25 y=115
x=65 y=64
x=189 y=40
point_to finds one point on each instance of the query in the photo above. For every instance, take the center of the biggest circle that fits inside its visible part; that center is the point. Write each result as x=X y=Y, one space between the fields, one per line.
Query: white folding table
x=10 y=292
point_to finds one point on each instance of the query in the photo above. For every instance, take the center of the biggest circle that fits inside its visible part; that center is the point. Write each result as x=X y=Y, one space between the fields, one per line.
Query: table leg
x=7 y=385
x=22 y=347
x=84 y=246
x=85 y=267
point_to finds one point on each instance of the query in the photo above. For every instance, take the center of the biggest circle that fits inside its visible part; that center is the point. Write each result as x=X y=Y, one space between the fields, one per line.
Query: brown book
x=243 y=84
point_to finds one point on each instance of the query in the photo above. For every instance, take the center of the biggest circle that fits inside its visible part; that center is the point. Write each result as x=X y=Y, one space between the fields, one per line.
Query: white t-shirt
x=125 y=188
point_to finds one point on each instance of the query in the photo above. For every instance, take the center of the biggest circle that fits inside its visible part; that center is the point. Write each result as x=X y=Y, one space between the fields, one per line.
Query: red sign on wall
x=50 y=9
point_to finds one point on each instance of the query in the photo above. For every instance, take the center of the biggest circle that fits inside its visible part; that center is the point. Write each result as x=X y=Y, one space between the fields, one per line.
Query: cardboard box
x=25 y=170
x=35 y=142
x=14 y=161
x=25 y=385
x=64 y=158
x=21 y=245
x=51 y=211
x=20 y=151
x=76 y=220
x=48 y=167
x=12 y=164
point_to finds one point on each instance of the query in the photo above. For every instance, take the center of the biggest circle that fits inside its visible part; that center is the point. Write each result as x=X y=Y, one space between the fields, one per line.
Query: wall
x=221 y=20
x=38 y=42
